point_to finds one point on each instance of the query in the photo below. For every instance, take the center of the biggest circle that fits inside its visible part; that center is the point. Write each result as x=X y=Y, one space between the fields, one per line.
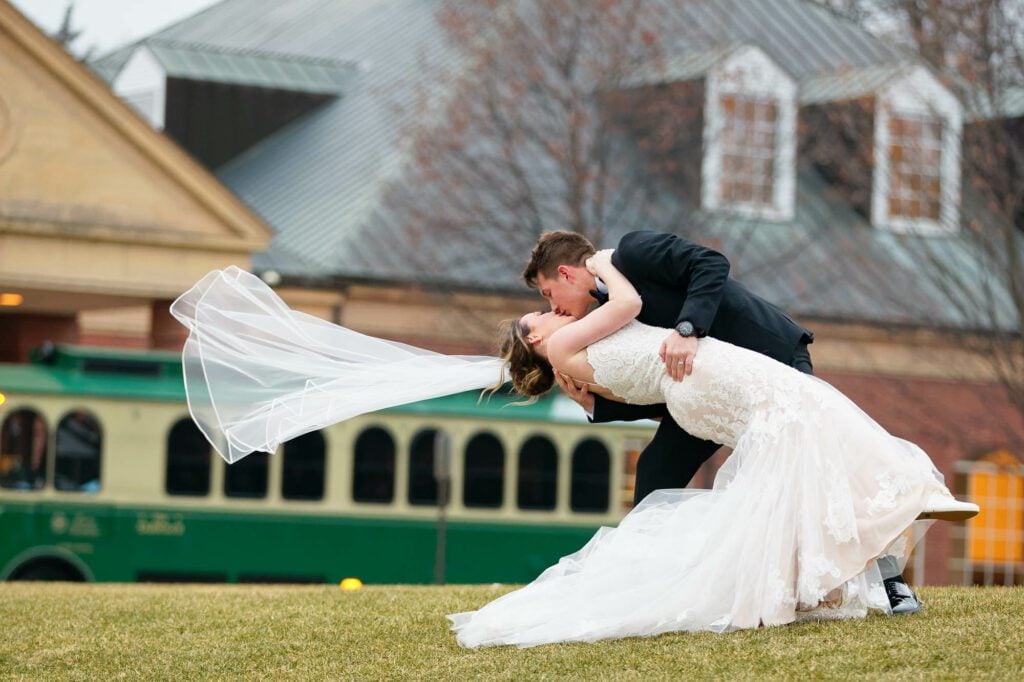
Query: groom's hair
x=553 y=249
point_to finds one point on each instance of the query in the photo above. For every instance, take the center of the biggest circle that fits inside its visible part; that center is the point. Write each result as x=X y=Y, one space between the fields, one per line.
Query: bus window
x=538 y=474
x=247 y=477
x=188 y=460
x=483 y=483
x=303 y=473
x=422 y=486
x=373 y=477
x=591 y=466
x=78 y=450
x=23 y=451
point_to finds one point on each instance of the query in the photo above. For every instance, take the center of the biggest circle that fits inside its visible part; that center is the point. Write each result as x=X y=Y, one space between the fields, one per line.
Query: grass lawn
x=113 y=631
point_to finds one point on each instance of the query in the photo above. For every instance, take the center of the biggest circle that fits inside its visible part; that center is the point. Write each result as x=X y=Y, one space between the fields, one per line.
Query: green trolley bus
x=104 y=476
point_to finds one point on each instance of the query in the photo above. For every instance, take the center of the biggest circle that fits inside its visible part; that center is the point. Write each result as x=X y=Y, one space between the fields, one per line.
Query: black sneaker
x=901 y=598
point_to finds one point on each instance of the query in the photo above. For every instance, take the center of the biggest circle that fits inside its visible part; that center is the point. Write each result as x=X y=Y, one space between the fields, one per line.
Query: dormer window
x=217 y=102
x=885 y=140
x=748 y=166
x=916 y=183
x=748 y=150
x=730 y=141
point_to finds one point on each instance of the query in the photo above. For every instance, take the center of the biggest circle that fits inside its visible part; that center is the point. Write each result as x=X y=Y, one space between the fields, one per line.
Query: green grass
x=112 y=631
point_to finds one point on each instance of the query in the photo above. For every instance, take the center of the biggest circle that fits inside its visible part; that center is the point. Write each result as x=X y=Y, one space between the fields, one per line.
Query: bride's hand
x=599 y=259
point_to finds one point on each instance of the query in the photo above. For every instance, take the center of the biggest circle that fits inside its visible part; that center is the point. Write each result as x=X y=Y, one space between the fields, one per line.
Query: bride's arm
x=623 y=305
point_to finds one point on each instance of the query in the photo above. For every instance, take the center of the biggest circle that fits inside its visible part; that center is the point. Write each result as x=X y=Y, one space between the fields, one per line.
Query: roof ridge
x=847 y=70
x=905 y=53
x=190 y=17
x=839 y=14
x=249 y=52
x=138 y=41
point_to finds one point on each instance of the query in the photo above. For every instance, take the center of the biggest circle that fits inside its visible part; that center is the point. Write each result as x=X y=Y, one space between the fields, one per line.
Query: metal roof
x=804 y=38
x=681 y=66
x=295 y=73
x=321 y=181
x=1008 y=104
x=849 y=83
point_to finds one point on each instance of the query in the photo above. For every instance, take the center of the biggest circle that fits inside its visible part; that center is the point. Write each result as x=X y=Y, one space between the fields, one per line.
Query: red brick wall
x=22 y=332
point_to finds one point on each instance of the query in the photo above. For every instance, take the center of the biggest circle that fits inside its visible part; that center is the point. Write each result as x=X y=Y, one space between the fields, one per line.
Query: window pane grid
x=748 y=149
x=915 y=158
x=994 y=539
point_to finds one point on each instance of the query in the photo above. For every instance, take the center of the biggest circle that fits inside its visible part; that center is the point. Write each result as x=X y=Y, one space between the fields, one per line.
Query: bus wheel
x=47 y=569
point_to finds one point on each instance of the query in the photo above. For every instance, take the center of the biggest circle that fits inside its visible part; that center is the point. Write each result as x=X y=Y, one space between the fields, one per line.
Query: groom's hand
x=678 y=352
x=580 y=394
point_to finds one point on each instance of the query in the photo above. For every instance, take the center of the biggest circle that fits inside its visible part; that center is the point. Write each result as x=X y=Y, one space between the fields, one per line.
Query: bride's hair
x=531 y=373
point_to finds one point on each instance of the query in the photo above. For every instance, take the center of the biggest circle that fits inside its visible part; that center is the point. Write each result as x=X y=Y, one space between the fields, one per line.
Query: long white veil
x=258 y=373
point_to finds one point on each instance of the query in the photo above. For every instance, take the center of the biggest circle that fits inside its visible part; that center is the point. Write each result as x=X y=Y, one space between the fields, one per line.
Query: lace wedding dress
x=813 y=492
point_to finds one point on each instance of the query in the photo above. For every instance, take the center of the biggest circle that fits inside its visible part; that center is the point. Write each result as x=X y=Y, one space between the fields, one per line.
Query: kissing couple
x=810 y=517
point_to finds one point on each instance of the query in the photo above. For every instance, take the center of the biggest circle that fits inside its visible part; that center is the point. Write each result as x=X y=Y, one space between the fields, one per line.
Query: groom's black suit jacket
x=679 y=280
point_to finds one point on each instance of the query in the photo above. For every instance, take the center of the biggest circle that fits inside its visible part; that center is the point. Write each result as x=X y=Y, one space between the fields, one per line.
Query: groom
x=685 y=287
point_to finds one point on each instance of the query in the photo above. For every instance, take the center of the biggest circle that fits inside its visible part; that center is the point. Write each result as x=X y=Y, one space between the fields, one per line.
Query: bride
x=812 y=494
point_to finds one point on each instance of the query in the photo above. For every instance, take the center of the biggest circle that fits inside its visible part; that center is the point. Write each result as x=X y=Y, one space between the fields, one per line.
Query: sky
x=109 y=24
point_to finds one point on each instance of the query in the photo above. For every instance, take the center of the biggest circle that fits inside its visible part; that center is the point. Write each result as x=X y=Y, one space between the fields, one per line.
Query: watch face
x=685 y=329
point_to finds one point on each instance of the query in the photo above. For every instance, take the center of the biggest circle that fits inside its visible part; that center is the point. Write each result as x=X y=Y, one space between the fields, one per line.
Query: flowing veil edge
x=258 y=373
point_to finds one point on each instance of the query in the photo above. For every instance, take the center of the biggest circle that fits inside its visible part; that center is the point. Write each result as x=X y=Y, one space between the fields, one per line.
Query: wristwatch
x=685 y=329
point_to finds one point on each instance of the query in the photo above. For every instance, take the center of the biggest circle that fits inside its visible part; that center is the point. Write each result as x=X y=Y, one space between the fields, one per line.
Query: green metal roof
x=106 y=373
x=46 y=379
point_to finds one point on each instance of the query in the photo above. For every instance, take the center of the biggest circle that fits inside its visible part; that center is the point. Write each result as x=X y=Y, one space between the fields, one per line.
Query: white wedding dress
x=813 y=492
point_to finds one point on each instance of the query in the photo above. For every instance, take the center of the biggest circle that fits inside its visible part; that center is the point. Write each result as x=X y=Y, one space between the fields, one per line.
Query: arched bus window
x=483 y=482
x=591 y=467
x=188 y=460
x=538 y=474
x=303 y=467
x=247 y=477
x=23 y=450
x=373 y=475
x=422 y=486
x=79 y=447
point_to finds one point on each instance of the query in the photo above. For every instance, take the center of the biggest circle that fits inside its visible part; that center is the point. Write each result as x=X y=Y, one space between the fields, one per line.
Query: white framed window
x=916 y=183
x=749 y=163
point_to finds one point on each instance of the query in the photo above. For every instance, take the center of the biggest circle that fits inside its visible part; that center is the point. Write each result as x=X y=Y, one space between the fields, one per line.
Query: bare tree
x=977 y=271
x=565 y=114
x=66 y=34
x=532 y=138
